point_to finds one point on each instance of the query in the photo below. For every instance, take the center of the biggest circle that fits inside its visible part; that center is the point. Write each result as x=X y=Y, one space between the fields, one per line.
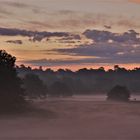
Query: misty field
x=77 y=118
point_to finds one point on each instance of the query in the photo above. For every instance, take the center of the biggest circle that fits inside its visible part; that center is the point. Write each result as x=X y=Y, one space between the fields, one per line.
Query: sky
x=71 y=33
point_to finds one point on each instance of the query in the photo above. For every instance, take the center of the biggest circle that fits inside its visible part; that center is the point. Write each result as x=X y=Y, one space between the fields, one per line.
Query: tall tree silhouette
x=11 y=94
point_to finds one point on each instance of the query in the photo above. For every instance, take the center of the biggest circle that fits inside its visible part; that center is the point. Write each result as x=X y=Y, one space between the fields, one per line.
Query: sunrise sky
x=71 y=33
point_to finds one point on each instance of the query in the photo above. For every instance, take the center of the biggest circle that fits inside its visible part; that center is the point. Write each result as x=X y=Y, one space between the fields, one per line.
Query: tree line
x=83 y=81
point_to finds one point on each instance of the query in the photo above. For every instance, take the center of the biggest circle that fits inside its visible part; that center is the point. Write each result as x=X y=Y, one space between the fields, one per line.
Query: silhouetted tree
x=11 y=93
x=101 y=69
x=34 y=86
x=119 y=93
x=60 y=89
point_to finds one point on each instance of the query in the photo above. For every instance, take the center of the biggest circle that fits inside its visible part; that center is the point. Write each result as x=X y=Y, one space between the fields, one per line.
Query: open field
x=69 y=119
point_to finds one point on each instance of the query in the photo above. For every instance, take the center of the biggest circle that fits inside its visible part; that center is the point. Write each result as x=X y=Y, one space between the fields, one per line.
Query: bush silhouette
x=118 y=93
x=11 y=94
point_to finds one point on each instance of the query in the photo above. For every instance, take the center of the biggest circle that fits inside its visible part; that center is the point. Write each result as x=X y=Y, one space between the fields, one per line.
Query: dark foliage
x=89 y=81
x=11 y=94
x=34 y=86
x=60 y=89
x=119 y=93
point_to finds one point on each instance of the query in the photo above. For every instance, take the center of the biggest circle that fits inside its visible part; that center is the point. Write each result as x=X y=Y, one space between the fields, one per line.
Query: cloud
x=105 y=36
x=15 y=4
x=42 y=17
x=60 y=62
x=127 y=58
x=104 y=53
x=15 y=32
x=51 y=62
x=66 y=12
x=124 y=48
x=72 y=19
x=15 y=42
x=4 y=11
x=96 y=49
x=36 y=36
x=39 y=36
x=71 y=37
x=107 y=26
x=40 y=24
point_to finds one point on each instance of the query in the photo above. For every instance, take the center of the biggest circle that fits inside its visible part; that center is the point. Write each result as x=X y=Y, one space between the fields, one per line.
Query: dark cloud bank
x=107 y=47
x=37 y=36
x=103 y=36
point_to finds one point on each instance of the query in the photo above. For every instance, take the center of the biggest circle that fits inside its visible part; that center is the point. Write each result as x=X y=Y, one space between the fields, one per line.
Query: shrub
x=119 y=93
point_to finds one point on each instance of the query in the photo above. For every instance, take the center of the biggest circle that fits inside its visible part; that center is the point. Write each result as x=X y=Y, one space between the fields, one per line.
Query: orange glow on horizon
x=88 y=66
